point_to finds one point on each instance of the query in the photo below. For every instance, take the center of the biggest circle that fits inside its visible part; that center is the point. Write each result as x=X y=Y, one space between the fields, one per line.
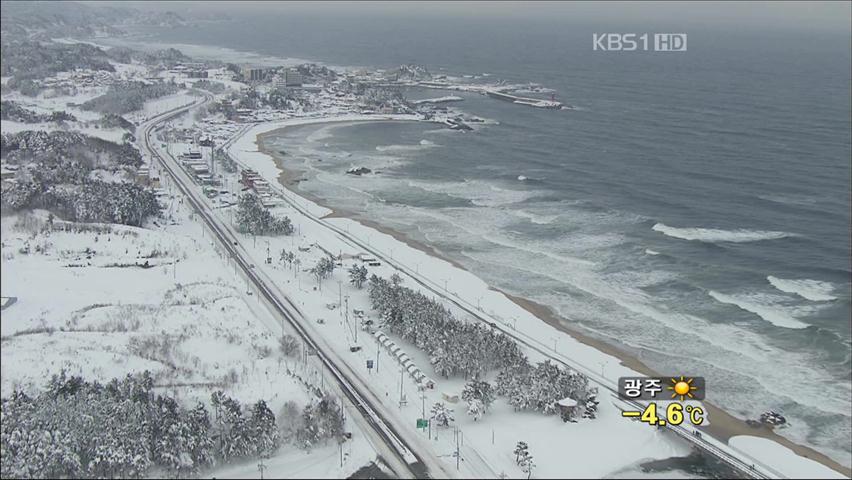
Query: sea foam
x=712 y=235
x=767 y=310
x=813 y=290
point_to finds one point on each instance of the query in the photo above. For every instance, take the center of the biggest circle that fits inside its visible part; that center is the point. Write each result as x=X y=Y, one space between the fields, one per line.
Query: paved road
x=395 y=448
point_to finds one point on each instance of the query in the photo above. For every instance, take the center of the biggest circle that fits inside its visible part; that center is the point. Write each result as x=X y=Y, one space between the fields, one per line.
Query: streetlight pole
x=401 y=372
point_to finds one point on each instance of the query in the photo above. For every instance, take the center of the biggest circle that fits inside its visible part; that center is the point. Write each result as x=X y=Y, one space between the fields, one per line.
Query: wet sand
x=723 y=425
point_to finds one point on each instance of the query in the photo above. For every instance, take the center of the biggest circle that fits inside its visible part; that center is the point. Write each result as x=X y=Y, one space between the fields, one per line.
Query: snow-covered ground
x=160 y=105
x=109 y=134
x=782 y=458
x=186 y=318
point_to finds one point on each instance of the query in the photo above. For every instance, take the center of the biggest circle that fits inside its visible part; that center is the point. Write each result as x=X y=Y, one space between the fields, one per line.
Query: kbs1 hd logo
x=633 y=42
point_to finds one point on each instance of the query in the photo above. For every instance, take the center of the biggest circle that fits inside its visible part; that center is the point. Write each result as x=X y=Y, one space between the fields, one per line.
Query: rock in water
x=358 y=170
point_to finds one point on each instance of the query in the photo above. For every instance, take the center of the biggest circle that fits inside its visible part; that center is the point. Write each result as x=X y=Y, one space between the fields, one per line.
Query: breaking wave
x=406 y=148
x=535 y=218
x=762 y=306
x=813 y=290
x=712 y=235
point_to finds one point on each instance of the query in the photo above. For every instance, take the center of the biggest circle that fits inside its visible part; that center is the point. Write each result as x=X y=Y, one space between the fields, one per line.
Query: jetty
x=532 y=102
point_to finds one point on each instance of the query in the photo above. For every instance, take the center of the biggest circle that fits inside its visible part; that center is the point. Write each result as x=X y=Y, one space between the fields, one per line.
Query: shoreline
x=723 y=426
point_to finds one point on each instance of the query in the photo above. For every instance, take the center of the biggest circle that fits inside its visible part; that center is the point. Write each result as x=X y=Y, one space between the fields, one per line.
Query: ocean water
x=694 y=209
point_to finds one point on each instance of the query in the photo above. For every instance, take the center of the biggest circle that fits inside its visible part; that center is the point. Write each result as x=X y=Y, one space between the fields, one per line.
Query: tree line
x=123 y=429
x=252 y=217
x=54 y=174
x=472 y=350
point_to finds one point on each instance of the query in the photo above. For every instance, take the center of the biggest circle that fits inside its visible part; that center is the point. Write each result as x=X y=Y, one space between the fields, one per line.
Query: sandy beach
x=723 y=425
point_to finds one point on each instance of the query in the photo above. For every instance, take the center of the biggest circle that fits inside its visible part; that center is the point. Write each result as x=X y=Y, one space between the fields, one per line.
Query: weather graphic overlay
x=683 y=388
x=641 y=395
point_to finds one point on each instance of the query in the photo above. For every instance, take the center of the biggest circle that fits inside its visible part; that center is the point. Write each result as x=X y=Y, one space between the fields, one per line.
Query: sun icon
x=682 y=387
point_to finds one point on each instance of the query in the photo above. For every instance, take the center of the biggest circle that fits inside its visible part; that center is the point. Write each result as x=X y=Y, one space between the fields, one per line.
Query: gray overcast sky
x=807 y=15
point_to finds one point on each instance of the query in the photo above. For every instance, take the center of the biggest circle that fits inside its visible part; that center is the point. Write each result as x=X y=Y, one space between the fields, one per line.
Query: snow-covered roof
x=567 y=402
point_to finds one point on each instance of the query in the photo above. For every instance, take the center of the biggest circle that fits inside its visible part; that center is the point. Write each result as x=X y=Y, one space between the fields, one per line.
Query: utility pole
x=378 y=351
x=401 y=372
x=346 y=313
x=458 y=456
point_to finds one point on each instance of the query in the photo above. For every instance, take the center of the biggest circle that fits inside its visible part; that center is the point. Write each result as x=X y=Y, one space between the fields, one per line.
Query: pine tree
x=442 y=415
x=263 y=430
x=475 y=408
x=308 y=435
x=526 y=463
x=520 y=451
x=358 y=275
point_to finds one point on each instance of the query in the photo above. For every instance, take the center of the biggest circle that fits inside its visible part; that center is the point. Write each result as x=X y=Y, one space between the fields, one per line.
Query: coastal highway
x=737 y=460
x=396 y=450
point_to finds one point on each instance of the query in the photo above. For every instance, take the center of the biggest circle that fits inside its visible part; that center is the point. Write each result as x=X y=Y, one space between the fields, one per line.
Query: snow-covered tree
x=331 y=418
x=475 y=408
x=358 y=275
x=289 y=345
x=521 y=450
x=590 y=410
x=471 y=349
x=481 y=390
x=323 y=269
x=479 y=395
x=289 y=420
x=320 y=421
x=287 y=257
x=526 y=463
x=263 y=430
x=252 y=217
x=308 y=435
x=442 y=415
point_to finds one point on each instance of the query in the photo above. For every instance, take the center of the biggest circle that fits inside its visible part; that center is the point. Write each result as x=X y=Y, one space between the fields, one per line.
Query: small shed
x=450 y=397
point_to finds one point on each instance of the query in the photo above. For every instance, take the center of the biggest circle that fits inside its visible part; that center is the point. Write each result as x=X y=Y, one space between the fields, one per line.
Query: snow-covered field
x=160 y=105
x=87 y=305
x=782 y=458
